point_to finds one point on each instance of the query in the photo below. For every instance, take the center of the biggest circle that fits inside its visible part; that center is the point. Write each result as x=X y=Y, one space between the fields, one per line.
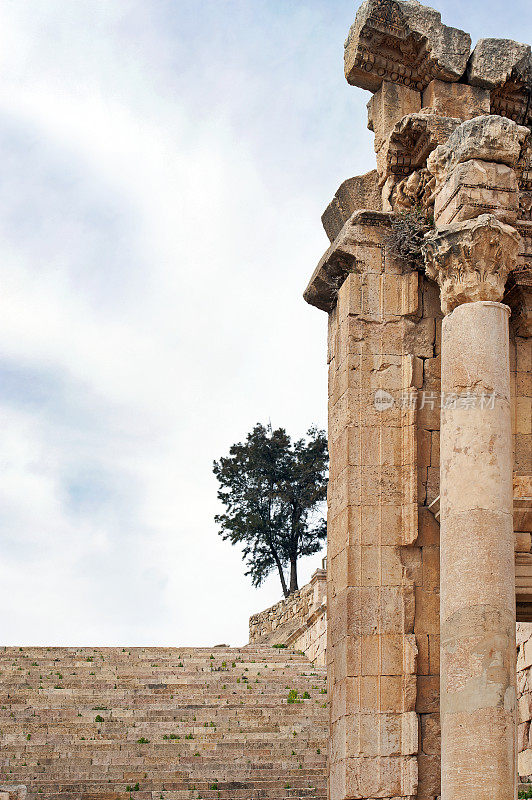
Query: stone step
x=247 y=739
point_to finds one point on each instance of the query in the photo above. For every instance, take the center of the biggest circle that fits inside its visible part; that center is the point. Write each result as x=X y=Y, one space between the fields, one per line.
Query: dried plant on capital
x=408 y=229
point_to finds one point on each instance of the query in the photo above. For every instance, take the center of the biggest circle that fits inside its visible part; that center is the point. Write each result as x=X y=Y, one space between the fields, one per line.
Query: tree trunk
x=283 y=581
x=293 y=574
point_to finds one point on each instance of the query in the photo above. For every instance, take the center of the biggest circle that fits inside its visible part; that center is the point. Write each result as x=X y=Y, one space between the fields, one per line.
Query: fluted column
x=471 y=262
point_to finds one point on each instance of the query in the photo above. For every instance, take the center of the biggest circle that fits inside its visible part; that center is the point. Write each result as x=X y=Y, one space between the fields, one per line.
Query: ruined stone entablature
x=504 y=67
x=405 y=43
x=486 y=138
x=471 y=260
x=411 y=142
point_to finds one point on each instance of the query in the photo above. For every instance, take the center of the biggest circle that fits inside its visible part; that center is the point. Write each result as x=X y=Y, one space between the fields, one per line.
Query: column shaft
x=477 y=558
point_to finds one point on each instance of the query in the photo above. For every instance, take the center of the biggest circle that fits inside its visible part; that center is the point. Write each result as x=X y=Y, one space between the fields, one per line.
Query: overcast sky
x=164 y=165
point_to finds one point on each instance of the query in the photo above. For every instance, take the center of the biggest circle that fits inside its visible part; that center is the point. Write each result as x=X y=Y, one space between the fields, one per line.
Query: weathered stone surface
x=354 y=194
x=169 y=719
x=487 y=138
x=346 y=254
x=505 y=68
x=493 y=62
x=417 y=190
x=523 y=169
x=299 y=621
x=404 y=42
x=456 y=100
x=519 y=298
x=410 y=143
x=388 y=106
x=477 y=187
x=478 y=680
x=13 y=792
x=471 y=260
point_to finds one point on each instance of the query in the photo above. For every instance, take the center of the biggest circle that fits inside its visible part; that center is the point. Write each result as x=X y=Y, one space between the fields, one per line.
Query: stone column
x=471 y=262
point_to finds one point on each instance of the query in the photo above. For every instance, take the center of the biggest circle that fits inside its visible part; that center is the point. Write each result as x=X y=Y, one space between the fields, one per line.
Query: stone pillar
x=471 y=262
x=382 y=582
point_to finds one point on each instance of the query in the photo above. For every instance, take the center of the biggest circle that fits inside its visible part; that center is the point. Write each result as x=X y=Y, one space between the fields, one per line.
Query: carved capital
x=471 y=260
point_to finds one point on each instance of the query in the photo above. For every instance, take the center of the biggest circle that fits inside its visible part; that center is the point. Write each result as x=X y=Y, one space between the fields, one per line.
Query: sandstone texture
x=388 y=106
x=456 y=100
x=505 y=68
x=471 y=260
x=87 y=723
x=477 y=615
x=404 y=42
x=477 y=187
x=298 y=622
x=354 y=194
x=488 y=138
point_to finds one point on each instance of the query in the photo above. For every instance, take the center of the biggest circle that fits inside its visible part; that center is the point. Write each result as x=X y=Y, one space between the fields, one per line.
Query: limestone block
x=523 y=708
x=354 y=194
x=504 y=67
x=427 y=619
x=434 y=653
x=388 y=106
x=523 y=415
x=410 y=143
x=403 y=42
x=358 y=247
x=429 y=776
x=522 y=486
x=456 y=100
x=524 y=763
x=401 y=294
x=392 y=776
x=431 y=570
x=428 y=694
x=429 y=529
x=493 y=62
x=523 y=540
x=384 y=521
x=477 y=187
x=430 y=733
x=522 y=735
x=523 y=451
x=487 y=138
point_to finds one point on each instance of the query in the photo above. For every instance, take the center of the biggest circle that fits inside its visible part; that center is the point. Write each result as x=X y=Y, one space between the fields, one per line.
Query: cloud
x=164 y=168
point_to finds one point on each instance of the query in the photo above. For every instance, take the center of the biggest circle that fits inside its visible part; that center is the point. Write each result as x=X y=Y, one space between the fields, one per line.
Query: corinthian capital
x=471 y=260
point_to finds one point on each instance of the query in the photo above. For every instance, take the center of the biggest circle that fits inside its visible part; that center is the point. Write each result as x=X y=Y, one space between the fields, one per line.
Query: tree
x=273 y=492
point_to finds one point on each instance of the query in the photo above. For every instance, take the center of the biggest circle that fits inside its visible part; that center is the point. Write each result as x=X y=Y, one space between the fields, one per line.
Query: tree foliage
x=273 y=491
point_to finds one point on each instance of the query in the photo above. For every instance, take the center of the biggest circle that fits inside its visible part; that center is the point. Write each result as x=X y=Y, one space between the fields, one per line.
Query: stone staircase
x=169 y=723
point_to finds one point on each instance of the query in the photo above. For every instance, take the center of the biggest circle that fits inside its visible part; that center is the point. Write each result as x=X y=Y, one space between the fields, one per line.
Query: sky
x=164 y=167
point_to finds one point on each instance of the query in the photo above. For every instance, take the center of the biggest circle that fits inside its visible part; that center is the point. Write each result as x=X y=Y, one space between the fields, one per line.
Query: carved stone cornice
x=362 y=235
x=505 y=68
x=403 y=42
x=471 y=260
x=411 y=141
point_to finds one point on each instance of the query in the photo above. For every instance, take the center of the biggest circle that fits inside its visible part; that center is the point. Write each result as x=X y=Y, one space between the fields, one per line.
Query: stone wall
x=524 y=695
x=299 y=621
